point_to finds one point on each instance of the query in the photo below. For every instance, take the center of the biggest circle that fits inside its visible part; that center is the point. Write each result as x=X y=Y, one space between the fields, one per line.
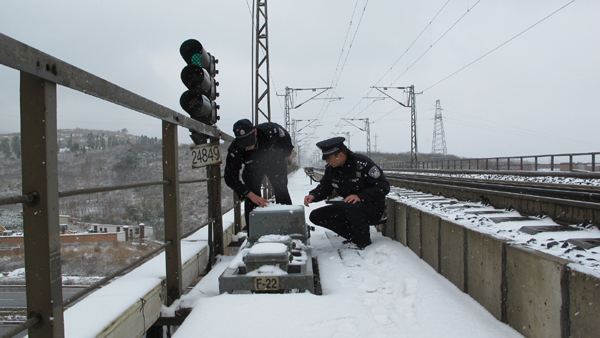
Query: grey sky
x=537 y=94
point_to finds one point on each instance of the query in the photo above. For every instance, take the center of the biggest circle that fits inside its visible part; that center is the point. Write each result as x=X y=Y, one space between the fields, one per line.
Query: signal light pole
x=198 y=77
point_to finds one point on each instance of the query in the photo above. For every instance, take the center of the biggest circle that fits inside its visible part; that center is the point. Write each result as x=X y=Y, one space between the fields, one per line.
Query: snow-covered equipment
x=276 y=256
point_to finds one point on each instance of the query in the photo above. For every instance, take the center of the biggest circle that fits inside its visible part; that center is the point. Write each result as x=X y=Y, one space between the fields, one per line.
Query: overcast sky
x=534 y=94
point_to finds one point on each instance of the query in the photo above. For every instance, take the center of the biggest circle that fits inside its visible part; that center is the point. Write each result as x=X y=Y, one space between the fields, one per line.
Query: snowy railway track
x=564 y=204
x=554 y=190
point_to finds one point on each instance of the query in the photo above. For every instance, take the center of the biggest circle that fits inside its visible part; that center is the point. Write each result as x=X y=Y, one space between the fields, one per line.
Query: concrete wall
x=537 y=294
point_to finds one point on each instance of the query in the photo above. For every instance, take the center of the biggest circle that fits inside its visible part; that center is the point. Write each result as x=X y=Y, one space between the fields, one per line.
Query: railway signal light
x=198 y=77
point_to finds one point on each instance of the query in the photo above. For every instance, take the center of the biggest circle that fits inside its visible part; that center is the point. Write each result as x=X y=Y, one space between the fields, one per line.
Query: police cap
x=244 y=133
x=331 y=146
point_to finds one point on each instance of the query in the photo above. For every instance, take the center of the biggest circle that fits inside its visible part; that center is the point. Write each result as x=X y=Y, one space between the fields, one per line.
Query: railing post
x=593 y=162
x=43 y=280
x=213 y=173
x=237 y=212
x=536 y=164
x=171 y=211
x=570 y=162
x=521 y=164
x=552 y=163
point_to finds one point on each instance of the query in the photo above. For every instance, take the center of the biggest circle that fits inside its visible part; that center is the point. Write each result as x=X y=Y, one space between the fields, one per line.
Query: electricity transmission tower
x=413 y=118
x=260 y=64
x=367 y=128
x=438 y=145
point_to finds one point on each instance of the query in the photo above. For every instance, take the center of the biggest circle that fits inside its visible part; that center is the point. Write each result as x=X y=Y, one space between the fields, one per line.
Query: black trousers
x=276 y=171
x=348 y=220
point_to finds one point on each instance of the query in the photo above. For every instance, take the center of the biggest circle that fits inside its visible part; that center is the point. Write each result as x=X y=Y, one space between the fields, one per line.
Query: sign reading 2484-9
x=206 y=154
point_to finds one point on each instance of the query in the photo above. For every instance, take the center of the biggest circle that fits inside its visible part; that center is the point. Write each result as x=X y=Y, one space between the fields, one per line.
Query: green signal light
x=197 y=59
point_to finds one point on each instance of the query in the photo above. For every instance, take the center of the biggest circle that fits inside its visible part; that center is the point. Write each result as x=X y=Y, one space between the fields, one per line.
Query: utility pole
x=260 y=64
x=413 y=117
x=347 y=134
x=438 y=145
x=296 y=131
x=290 y=98
x=376 y=142
x=367 y=128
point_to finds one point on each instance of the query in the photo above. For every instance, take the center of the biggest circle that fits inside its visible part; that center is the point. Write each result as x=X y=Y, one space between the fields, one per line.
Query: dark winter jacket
x=358 y=176
x=273 y=145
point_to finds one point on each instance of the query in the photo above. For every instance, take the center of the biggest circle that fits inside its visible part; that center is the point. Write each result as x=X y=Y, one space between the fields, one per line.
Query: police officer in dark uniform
x=263 y=150
x=360 y=182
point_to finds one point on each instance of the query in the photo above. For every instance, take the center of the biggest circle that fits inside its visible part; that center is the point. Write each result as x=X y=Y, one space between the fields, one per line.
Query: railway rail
x=566 y=204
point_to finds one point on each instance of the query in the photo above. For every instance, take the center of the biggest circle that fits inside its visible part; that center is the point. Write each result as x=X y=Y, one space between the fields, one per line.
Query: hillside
x=95 y=158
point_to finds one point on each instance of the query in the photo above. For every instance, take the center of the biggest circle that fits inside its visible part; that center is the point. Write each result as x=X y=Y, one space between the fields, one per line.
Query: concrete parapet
x=389 y=228
x=584 y=305
x=484 y=271
x=400 y=218
x=537 y=294
x=534 y=292
x=413 y=230
x=430 y=236
x=452 y=252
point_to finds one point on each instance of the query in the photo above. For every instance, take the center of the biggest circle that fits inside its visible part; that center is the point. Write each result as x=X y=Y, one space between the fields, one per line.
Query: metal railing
x=580 y=162
x=40 y=75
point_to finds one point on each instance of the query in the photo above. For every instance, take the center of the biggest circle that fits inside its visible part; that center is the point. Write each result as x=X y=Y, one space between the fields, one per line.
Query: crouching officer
x=263 y=150
x=360 y=182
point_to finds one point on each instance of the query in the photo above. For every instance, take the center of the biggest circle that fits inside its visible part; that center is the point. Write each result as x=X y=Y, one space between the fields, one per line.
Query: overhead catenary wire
x=498 y=47
x=436 y=41
x=337 y=73
x=393 y=65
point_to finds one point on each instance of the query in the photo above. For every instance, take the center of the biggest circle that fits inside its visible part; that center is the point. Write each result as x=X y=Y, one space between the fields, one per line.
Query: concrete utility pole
x=367 y=128
x=438 y=145
x=260 y=64
x=413 y=117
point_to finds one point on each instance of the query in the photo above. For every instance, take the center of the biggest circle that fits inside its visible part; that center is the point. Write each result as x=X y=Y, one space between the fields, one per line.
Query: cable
x=436 y=41
x=414 y=41
x=334 y=82
x=493 y=50
x=394 y=64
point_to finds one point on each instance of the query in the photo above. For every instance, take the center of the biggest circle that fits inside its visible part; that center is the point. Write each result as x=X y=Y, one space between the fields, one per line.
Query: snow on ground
x=383 y=291
x=590 y=182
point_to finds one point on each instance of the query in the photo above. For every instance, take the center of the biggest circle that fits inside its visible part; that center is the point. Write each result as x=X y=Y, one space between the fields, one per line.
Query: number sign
x=206 y=154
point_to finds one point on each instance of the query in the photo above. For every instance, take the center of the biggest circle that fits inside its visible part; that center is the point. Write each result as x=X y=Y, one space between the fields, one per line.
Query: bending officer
x=263 y=150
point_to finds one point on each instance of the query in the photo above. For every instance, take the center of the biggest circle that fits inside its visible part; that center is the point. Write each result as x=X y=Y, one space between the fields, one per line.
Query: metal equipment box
x=277 y=255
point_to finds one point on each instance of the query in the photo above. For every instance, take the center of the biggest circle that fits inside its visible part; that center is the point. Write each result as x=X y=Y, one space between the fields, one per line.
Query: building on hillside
x=140 y=231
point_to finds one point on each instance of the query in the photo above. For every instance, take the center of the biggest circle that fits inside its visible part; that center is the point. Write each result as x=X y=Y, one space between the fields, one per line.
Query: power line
x=504 y=43
x=436 y=41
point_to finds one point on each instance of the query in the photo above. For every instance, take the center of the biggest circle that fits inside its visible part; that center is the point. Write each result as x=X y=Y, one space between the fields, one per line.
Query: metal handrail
x=22 y=57
x=111 y=188
x=447 y=164
x=38 y=67
x=22 y=327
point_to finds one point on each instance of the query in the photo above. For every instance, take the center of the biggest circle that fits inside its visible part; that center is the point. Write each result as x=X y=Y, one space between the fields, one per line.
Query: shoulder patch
x=374 y=172
x=281 y=132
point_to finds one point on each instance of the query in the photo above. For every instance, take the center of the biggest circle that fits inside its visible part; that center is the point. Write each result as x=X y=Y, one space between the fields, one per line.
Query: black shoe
x=363 y=244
